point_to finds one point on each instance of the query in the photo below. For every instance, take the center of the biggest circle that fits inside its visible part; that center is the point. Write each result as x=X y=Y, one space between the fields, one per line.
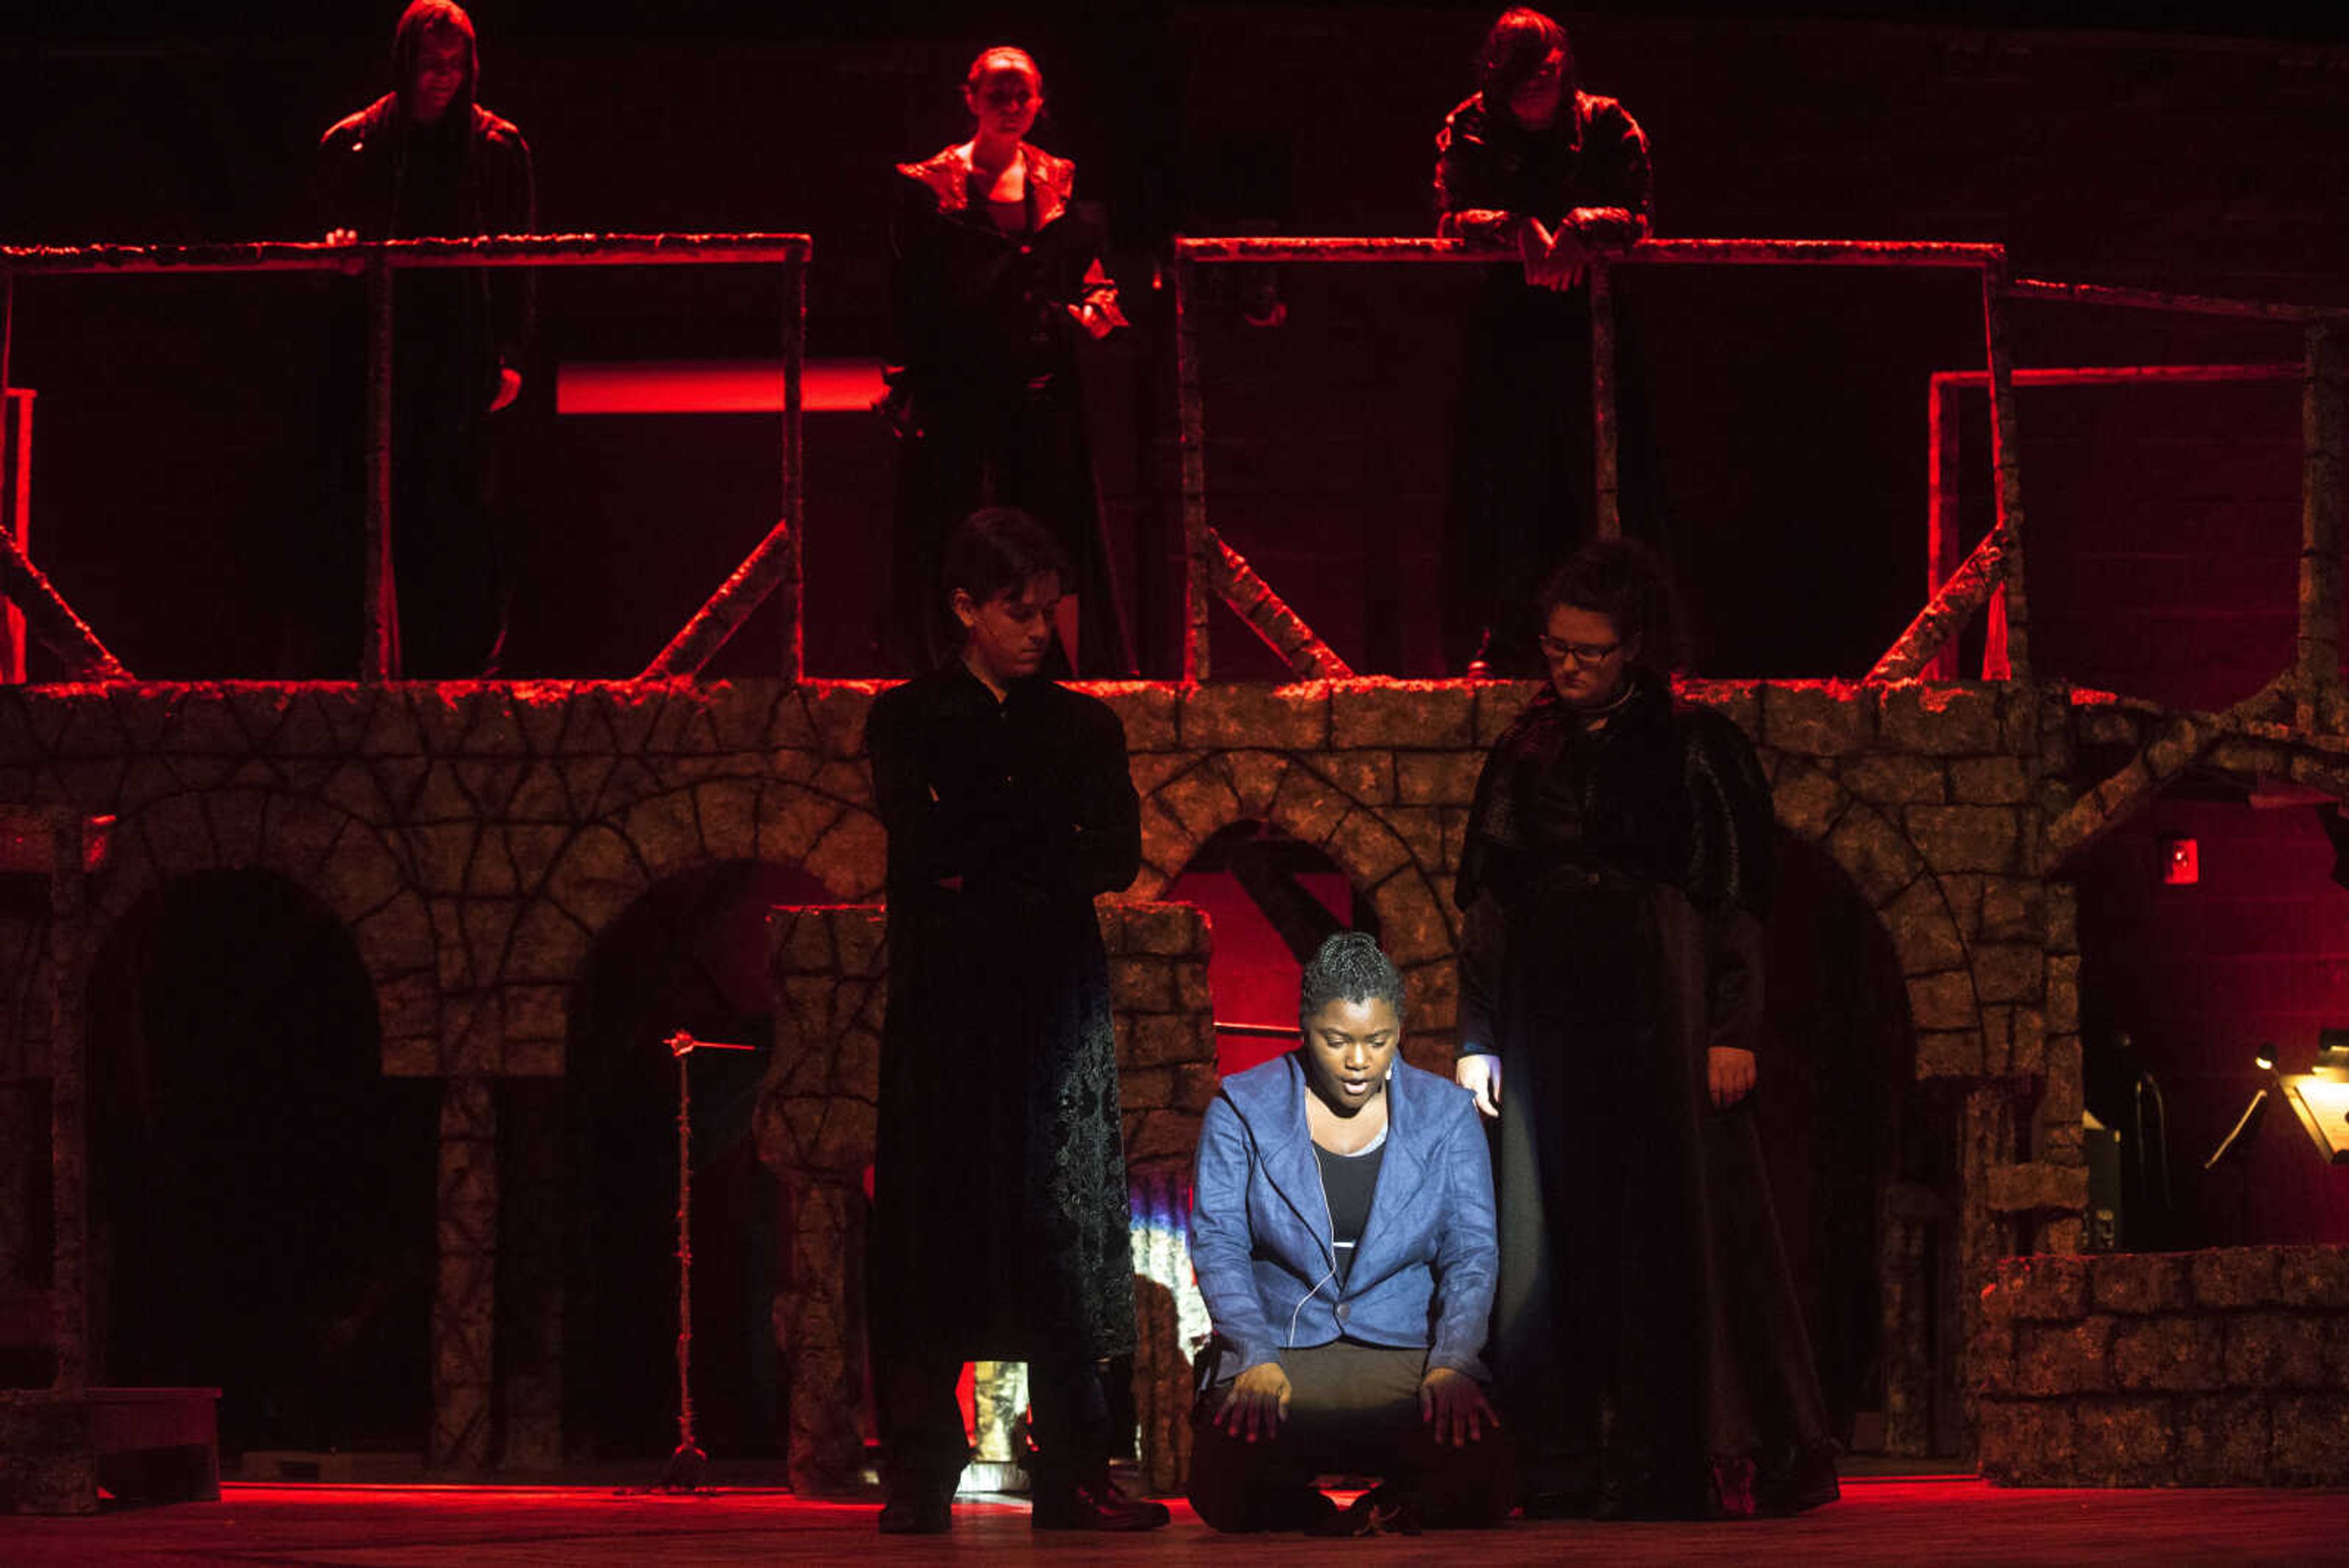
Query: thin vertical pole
x=685 y=1443
x=1606 y=516
x=687 y=1463
x=794 y=586
x=2319 y=699
x=16 y=442
x=16 y=407
x=1944 y=551
x=1197 y=590
x=2006 y=463
x=380 y=612
x=69 y=1124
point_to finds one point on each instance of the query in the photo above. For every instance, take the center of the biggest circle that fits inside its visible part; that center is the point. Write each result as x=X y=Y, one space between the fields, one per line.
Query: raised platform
x=59 y=1452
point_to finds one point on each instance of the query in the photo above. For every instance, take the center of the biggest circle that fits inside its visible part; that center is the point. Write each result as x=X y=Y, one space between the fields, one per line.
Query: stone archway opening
x=1862 y=1163
x=262 y=1194
x=1270 y=900
x=690 y=953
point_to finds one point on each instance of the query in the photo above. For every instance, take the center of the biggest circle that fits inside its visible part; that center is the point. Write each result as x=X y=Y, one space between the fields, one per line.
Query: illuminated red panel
x=1252 y=973
x=712 y=387
x=2181 y=861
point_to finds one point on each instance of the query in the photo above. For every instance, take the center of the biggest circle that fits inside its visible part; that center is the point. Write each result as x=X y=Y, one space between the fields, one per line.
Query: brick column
x=464 y=1294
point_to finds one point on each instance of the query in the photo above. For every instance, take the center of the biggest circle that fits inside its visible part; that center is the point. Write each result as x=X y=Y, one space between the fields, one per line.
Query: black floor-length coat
x=1647 y=1348
x=1001 y=1212
x=1522 y=480
x=987 y=389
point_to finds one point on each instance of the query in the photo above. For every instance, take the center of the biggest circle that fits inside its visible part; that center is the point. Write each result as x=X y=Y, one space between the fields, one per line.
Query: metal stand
x=687 y=1465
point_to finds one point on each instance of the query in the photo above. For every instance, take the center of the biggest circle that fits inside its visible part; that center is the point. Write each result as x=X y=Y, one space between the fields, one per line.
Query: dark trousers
x=924 y=1445
x=1353 y=1409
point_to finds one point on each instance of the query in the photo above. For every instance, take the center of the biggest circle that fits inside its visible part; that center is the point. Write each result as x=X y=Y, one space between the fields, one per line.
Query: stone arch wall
x=476 y=837
x=1908 y=898
x=1320 y=806
x=605 y=866
x=344 y=862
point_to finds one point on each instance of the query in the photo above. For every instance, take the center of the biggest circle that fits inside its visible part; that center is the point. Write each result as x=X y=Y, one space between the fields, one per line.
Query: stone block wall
x=2227 y=1367
x=48 y=1453
x=815 y=1122
x=476 y=839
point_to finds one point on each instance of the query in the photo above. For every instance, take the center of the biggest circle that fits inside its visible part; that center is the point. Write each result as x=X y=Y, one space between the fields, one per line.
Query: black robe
x=384 y=176
x=986 y=392
x=1522 y=482
x=1001 y=1226
x=1647 y=1346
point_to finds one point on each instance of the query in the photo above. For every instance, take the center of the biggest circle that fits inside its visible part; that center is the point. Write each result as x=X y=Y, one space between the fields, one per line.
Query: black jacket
x=362 y=170
x=1491 y=173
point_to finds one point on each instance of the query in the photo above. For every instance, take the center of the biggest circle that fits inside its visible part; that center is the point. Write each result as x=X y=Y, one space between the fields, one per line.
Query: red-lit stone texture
x=476 y=839
x=2228 y=1367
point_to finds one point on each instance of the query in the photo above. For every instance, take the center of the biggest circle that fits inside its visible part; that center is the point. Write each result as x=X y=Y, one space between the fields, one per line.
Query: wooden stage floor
x=1916 y=1523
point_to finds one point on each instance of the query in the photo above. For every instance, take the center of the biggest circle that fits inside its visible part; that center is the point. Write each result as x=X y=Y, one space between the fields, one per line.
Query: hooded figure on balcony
x=1533 y=166
x=997 y=283
x=427 y=161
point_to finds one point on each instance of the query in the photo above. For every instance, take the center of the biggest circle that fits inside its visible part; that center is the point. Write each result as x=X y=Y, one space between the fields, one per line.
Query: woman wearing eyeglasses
x=1646 y=1341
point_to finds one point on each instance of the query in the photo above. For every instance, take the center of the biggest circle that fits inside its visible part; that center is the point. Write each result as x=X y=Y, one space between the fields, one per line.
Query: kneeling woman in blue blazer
x=1342 y=1230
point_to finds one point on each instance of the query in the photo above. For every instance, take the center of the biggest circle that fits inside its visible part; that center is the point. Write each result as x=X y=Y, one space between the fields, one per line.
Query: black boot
x=922 y=1510
x=1093 y=1504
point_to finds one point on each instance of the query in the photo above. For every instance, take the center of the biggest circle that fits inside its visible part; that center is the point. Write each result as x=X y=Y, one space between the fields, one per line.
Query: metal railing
x=16 y=509
x=1945 y=550
x=1992 y=573
x=773 y=567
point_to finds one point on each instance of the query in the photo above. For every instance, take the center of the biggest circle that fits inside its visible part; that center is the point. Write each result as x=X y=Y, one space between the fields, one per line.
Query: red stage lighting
x=2181 y=861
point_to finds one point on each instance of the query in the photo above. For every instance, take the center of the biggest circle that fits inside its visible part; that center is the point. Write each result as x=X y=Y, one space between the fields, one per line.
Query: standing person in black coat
x=1647 y=1348
x=997 y=282
x=1533 y=164
x=427 y=161
x=1001 y=1226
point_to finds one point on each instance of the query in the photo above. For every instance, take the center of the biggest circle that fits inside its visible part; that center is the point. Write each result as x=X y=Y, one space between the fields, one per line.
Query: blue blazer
x=1423 y=1270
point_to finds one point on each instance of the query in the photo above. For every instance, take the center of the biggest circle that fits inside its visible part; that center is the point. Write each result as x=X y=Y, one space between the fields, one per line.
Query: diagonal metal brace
x=699 y=640
x=1268 y=616
x=1968 y=590
x=53 y=620
x=2182 y=742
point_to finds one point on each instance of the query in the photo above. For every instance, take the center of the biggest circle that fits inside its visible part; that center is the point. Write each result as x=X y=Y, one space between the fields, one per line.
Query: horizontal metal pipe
x=1224 y=249
x=2105 y=375
x=302 y=255
x=1727 y=252
x=2156 y=299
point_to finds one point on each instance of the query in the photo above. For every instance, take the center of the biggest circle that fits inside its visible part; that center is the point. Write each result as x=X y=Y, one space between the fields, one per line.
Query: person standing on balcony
x=427 y=161
x=996 y=283
x=1533 y=165
x=1001 y=1214
x=1647 y=1348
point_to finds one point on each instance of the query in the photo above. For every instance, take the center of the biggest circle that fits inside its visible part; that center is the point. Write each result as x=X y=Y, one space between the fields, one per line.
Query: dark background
x=172 y=477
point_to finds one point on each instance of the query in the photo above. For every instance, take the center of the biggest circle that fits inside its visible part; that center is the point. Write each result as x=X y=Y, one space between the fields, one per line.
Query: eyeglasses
x=1578 y=652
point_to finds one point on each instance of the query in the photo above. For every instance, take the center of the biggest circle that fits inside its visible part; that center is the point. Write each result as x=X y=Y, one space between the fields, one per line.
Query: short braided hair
x=1349 y=967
